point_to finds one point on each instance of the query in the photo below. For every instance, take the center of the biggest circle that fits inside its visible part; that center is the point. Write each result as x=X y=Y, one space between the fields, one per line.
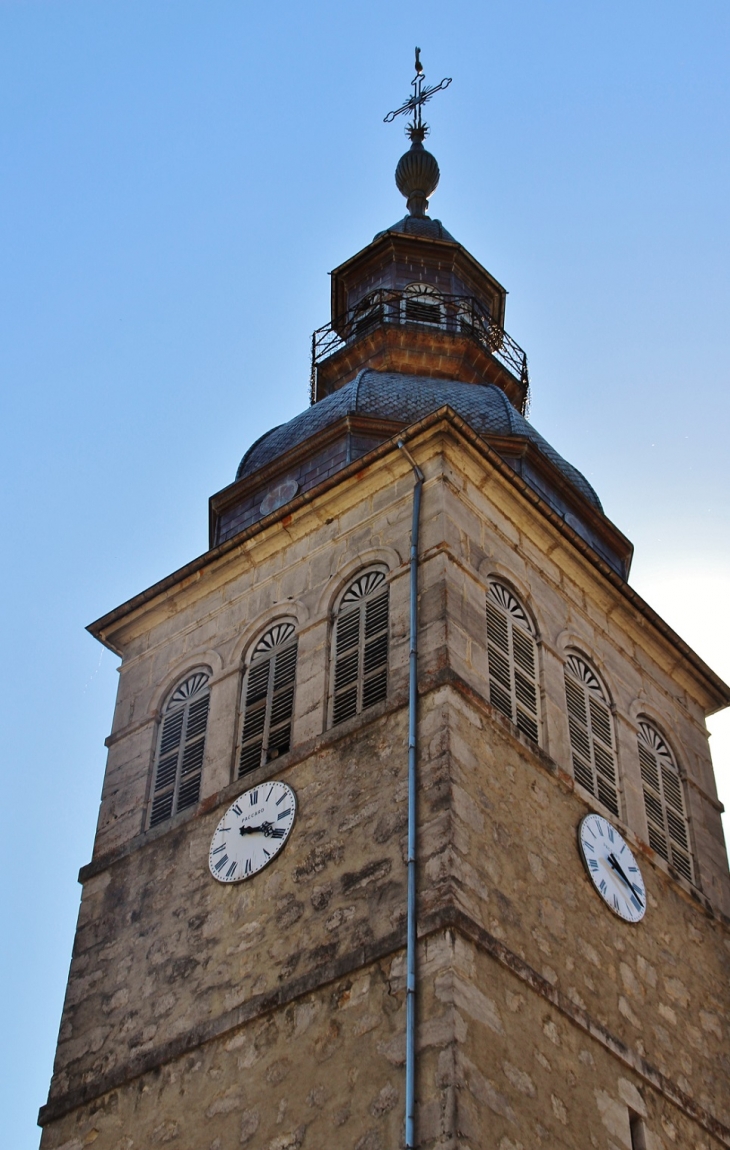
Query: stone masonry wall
x=166 y=952
x=181 y=986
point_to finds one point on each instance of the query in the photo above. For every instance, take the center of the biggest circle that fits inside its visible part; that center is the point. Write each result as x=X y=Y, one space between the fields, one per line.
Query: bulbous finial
x=417 y=177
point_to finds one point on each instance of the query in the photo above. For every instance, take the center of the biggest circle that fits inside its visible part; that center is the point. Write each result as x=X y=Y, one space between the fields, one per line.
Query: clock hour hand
x=267 y=829
x=619 y=870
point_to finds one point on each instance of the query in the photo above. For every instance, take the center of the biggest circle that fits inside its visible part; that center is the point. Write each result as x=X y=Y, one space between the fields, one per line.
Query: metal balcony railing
x=460 y=315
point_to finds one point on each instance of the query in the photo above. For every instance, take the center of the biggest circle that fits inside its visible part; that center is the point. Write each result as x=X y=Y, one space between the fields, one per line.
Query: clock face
x=252 y=832
x=612 y=867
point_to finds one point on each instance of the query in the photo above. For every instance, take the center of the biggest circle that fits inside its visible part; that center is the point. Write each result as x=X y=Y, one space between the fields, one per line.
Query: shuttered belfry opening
x=512 y=658
x=360 y=655
x=422 y=304
x=268 y=698
x=181 y=748
x=664 y=800
x=591 y=733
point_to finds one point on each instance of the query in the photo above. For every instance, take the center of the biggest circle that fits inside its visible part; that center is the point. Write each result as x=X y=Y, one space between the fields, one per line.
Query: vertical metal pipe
x=412 y=825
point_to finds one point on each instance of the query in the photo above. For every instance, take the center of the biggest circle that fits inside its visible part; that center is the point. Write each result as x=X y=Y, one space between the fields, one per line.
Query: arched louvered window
x=591 y=733
x=422 y=304
x=181 y=748
x=512 y=659
x=360 y=647
x=268 y=698
x=664 y=800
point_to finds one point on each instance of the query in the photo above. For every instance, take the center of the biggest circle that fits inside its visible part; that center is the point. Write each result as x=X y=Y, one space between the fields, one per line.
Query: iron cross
x=417 y=129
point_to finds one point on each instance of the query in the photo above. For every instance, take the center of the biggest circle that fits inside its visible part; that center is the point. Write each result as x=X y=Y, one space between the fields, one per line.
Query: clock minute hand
x=267 y=829
x=619 y=870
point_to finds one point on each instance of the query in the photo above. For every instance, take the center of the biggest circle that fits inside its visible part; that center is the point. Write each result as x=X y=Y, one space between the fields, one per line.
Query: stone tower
x=270 y=1012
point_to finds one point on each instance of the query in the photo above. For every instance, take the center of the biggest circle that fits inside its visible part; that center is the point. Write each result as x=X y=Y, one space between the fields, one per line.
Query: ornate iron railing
x=460 y=315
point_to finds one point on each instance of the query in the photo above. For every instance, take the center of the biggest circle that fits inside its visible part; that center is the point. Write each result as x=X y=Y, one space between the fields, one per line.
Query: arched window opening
x=422 y=304
x=268 y=698
x=591 y=733
x=512 y=660
x=181 y=749
x=664 y=800
x=360 y=647
x=367 y=314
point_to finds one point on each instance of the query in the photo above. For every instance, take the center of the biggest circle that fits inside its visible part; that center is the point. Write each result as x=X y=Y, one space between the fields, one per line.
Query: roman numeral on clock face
x=254 y=798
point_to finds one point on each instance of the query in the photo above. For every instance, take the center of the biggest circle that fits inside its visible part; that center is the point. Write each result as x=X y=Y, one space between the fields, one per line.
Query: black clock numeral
x=247 y=868
x=610 y=833
x=602 y=886
x=254 y=798
x=281 y=800
x=600 y=830
x=221 y=863
x=588 y=847
x=636 y=902
x=278 y=832
x=284 y=814
x=237 y=810
x=633 y=869
x=615 y=902
x=266 y=853
x=222 y=829
x=232 y=869
x=269 y=794
x=593 y=864
x=218 y=850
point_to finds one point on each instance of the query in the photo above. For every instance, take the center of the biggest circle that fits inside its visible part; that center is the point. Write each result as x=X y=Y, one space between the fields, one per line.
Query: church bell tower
x=409 y=833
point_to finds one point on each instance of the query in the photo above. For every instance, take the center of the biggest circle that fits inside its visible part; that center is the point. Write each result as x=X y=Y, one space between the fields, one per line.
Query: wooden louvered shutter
x=591 y=733
x=269 y=698
x=181 y=749
x=512 y=660
x=361 y=647
x=664 y=801
x=422 y=304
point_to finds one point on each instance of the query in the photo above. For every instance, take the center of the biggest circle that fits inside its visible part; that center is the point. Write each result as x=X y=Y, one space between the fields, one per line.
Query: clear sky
x=177 y=178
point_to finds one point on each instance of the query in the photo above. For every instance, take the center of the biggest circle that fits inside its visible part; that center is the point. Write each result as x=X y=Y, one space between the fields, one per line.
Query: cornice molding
x=102 y=628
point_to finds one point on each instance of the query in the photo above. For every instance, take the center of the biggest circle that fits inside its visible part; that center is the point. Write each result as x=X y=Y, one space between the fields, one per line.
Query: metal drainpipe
x=412 y=751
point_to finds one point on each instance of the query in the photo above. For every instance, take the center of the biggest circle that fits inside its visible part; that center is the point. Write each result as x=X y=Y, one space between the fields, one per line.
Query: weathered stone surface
x=270 y=1014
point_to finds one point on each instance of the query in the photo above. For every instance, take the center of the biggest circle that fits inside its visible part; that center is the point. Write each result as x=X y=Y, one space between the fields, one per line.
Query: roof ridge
x=357 y=381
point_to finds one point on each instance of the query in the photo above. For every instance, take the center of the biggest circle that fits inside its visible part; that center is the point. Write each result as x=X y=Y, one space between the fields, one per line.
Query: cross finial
x=417 y=129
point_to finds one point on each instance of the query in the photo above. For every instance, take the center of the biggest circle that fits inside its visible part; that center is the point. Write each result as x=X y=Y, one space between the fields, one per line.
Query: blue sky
x=177 y=178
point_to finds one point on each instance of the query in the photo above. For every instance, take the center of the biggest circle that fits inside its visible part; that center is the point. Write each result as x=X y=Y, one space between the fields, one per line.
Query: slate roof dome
x=422 y=226
x=405 y=399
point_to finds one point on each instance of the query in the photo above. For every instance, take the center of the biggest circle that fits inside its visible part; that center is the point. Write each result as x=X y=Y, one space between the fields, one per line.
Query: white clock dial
x=612 y=867
x=252 y=831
